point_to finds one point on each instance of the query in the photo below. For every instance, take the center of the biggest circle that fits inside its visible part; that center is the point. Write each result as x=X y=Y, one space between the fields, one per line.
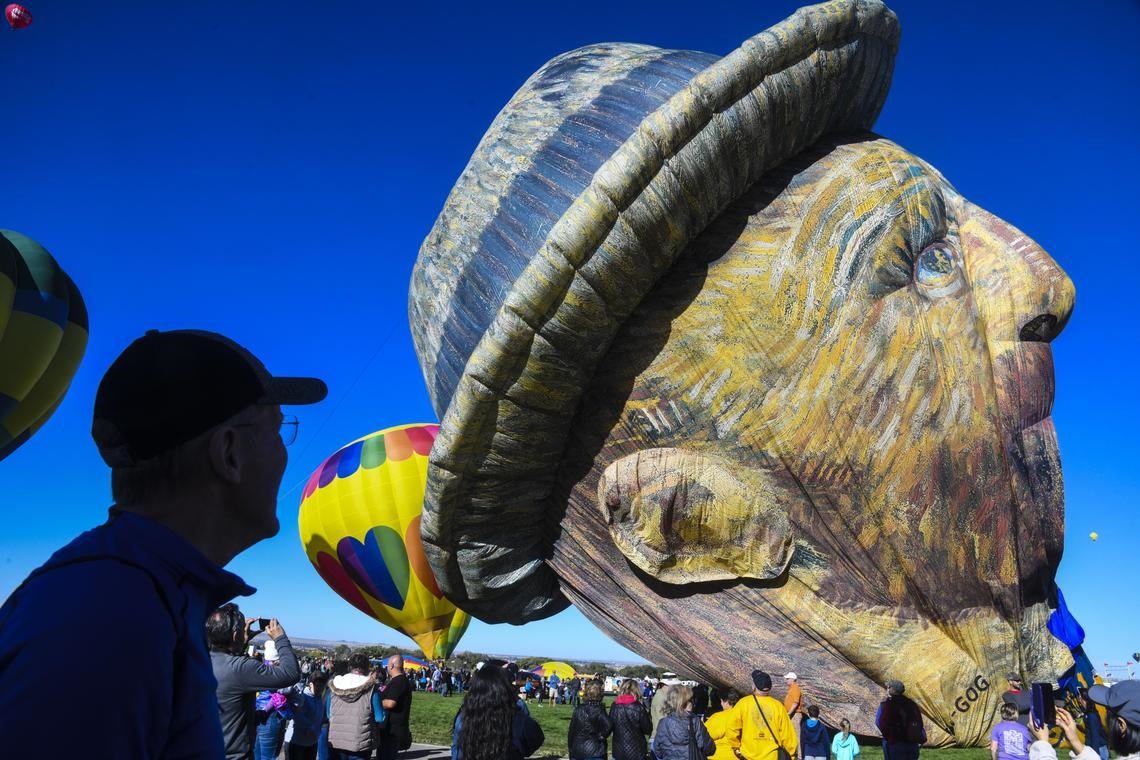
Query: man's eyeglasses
x=289 y=425
x=288 y=431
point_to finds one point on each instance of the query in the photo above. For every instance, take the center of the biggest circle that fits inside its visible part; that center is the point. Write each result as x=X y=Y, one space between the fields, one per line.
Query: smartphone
x=259 y=625
x=1042 y=708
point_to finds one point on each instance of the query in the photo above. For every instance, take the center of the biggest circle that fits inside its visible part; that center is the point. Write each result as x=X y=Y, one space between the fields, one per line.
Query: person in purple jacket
x=191 y=426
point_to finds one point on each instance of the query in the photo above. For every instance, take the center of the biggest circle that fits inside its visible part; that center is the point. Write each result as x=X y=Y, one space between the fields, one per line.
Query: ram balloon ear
x=683 y=517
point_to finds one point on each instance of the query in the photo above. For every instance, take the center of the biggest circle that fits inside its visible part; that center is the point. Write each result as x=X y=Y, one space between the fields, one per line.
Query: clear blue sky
x=268 y=170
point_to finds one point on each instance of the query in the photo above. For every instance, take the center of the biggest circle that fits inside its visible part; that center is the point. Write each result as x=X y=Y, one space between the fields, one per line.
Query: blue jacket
x=122 y=606
x=814 y=739
x=308 y=716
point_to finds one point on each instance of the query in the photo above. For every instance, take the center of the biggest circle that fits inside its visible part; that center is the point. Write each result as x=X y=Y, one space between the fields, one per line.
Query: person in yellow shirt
x=759 y=724
x=719 y=726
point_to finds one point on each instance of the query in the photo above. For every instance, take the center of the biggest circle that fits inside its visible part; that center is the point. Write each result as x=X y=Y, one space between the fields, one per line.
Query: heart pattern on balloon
x=418 y=560
x=340 y=582
x=379 y=565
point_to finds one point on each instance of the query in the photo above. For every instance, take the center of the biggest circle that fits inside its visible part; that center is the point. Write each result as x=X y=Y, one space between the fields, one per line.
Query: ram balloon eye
x=936 y=265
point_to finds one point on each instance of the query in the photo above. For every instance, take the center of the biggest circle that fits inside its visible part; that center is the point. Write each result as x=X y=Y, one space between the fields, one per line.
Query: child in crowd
x=844 y=746
x=814 y=739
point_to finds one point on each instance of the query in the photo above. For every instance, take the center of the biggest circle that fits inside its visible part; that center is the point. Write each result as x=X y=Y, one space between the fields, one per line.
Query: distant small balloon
x=1094 y=535
x=17 y=15
x=1136 y=656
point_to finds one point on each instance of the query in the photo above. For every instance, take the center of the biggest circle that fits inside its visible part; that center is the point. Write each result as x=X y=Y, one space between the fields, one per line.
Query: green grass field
x=432 y=717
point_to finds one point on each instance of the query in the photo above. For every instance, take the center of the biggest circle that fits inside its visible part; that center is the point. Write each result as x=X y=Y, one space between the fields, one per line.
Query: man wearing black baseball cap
x=1017 y=696
x=191 y=426
x=1121 y=701
x=761 y=724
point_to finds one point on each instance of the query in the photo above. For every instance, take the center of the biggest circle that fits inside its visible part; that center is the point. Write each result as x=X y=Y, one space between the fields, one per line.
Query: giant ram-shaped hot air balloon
x=360 y=525
x=43 y=334
x=745 y=382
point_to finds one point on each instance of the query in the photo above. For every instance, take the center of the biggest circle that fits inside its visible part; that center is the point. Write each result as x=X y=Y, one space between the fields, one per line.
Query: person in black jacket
x=631 y=723
x=589 y=726
x=900 y=722
x=701 y=700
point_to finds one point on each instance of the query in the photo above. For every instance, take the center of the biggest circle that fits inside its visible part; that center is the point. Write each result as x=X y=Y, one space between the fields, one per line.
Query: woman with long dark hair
x=491 y=724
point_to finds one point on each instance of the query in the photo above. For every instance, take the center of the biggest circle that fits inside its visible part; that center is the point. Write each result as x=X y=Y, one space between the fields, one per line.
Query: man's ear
x=224 y=454
x=684 y=517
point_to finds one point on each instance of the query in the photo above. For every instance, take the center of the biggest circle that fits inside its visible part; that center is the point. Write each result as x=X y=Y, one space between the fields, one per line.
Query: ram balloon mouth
x=1025 y=385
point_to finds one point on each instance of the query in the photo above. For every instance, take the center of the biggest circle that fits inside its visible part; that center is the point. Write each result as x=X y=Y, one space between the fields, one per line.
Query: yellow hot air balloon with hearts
x=360 y=526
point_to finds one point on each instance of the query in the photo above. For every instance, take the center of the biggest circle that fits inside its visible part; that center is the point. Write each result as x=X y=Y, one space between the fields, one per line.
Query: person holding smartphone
x=240 y=677
x=1122 y=702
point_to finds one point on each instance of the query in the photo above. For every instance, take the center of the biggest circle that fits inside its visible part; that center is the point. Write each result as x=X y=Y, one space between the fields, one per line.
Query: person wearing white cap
x=793 y=698
x=1121 y=701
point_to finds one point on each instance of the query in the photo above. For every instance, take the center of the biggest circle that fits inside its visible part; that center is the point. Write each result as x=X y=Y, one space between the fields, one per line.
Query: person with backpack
x=900 y=722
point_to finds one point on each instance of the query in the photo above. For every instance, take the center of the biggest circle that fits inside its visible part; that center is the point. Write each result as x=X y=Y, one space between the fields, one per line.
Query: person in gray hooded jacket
x=240 y=677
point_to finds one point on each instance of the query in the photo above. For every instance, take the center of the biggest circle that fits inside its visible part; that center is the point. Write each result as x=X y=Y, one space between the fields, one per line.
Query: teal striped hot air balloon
x=43 y=333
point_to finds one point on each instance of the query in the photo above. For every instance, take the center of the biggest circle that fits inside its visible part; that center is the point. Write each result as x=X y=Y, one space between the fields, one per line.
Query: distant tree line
x=468 y=660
